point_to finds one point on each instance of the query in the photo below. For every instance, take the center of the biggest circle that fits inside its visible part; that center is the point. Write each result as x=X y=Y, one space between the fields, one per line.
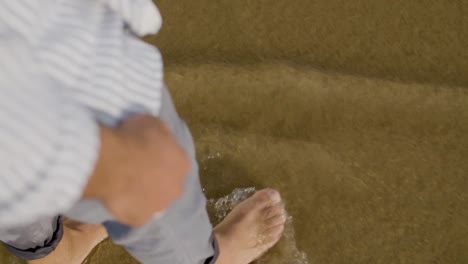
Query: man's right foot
x=253 y=227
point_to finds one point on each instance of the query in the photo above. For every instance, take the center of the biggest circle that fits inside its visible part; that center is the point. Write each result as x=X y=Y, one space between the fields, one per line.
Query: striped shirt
x=65 y=66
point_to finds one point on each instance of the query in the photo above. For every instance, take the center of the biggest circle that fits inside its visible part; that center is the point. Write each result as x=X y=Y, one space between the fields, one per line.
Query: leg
x=183 y=234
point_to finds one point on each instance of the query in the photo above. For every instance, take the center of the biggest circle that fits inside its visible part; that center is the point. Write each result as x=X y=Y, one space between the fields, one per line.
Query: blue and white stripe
x=66 y=65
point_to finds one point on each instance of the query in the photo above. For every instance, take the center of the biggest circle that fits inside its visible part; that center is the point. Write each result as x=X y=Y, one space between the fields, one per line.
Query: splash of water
x=285 y=252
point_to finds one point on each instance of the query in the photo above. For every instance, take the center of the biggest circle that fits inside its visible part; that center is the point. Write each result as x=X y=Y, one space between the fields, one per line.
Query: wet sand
x=372 y=170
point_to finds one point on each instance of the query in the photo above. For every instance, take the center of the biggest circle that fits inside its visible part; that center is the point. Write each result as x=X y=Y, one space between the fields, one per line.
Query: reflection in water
x=285 y=252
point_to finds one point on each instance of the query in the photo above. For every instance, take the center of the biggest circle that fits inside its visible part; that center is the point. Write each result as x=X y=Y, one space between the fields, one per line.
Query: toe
x=266 y=197
x=276 y=231
x=273 y=234
x=273 y=195
x=273 y=210
x=276 y=220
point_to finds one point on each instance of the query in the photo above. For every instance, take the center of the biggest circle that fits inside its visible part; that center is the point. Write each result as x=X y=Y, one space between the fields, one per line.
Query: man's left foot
x=77 y=242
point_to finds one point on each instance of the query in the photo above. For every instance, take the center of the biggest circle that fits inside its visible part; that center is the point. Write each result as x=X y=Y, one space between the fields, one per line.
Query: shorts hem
x=40 y=251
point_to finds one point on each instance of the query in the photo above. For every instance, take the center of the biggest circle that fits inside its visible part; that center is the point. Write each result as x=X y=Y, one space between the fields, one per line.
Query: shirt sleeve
x=48 y=143
x=142 y=16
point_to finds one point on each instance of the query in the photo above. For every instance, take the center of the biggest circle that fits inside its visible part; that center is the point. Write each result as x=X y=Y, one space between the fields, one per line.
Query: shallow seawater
x=286 y=251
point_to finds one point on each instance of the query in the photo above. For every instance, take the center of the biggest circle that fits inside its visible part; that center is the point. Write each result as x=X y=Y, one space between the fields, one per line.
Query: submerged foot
x=253 y=227
x=77 y=242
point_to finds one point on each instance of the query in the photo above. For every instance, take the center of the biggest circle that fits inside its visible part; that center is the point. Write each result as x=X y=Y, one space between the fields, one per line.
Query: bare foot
x=253 y=227
x=77 y=242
